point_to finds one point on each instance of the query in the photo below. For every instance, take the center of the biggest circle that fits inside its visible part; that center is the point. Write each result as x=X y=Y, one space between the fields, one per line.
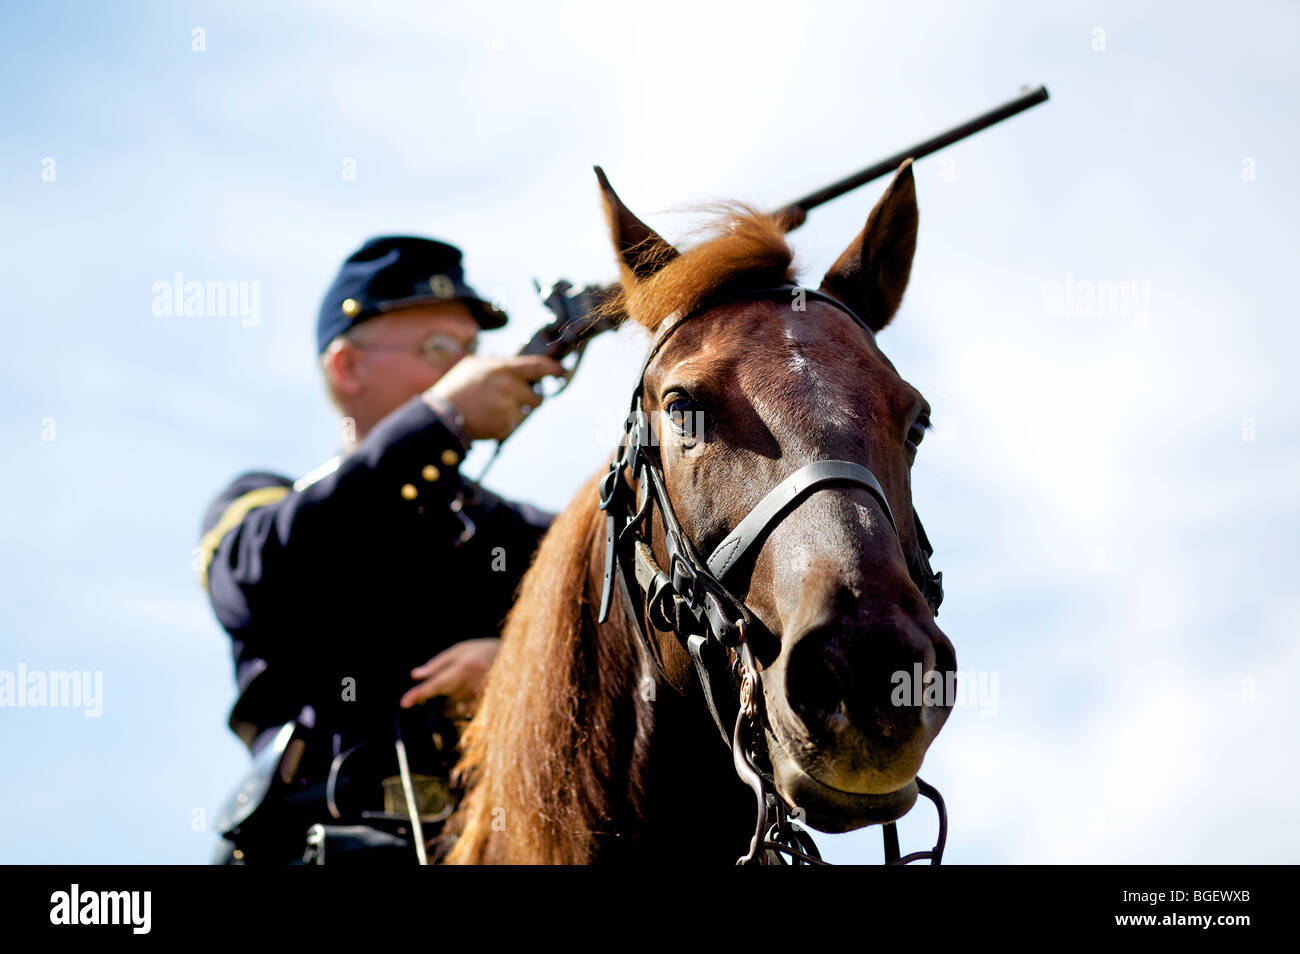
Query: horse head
x=749 y=391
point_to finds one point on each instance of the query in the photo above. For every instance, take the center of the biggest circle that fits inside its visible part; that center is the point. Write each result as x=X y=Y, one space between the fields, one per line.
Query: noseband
x=690 y=600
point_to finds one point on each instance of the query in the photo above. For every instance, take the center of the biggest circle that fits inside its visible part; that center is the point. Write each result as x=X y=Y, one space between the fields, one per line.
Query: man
x=379 y=581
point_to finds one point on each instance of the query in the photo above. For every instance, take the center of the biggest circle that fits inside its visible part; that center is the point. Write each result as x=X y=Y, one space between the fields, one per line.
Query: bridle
x=691 y=600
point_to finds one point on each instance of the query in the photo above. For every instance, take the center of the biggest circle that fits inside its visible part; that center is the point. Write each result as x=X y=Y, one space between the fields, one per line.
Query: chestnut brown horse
x=588 y=748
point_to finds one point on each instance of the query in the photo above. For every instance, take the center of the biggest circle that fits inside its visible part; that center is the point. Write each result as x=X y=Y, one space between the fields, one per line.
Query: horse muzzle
x=847 y=730
x=831 y=809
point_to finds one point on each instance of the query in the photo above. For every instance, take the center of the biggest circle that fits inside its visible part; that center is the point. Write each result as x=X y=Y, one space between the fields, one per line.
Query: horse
x=596 y=737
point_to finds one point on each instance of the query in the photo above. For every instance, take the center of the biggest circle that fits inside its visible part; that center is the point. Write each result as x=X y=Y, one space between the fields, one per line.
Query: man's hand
x=494 y=395
x=457 y=673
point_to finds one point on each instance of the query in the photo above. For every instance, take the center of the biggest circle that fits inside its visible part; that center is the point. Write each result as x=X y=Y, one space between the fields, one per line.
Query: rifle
x=576 y=320
x=797 y=211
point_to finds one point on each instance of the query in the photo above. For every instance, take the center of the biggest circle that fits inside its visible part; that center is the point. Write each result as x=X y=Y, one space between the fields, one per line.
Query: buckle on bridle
x=934 y=590
x=638 y=433
x=609 y=483
x=683 y=577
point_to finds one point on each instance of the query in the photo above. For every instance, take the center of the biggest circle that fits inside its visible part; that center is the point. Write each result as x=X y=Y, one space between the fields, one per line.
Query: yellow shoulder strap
x=234 y=514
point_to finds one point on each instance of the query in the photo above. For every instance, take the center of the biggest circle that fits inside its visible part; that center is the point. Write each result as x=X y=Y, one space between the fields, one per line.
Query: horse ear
x=871 y=276
x=641 y=250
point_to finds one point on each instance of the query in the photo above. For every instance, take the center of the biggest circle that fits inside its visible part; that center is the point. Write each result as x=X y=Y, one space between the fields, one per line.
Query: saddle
x=303 y=801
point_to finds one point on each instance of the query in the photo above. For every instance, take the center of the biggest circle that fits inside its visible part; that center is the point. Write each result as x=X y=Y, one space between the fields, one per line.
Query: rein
x=690 y=600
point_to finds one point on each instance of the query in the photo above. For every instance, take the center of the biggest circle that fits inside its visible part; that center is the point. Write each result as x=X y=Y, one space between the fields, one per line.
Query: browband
x=677 y=319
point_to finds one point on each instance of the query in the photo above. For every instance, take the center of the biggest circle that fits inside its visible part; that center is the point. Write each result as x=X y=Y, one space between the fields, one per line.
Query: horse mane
x=528 y=755
x=741 y=248
x=542 y=757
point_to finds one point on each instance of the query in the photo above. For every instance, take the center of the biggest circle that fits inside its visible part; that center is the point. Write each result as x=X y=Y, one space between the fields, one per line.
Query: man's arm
x=266 y=545
x=407 y=467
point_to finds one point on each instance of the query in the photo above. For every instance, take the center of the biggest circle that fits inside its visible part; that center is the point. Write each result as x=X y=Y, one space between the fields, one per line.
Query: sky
x=1111 y=485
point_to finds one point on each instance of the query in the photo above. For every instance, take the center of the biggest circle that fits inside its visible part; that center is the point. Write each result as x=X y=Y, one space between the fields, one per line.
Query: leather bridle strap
x=669 y=325
x=784 y=497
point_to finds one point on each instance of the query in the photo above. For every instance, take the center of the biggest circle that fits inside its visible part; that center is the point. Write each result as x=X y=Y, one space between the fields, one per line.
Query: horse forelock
x=741 y=248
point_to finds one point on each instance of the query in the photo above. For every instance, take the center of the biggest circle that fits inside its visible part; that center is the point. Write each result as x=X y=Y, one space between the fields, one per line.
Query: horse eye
x=684 y=414
x=917 y=433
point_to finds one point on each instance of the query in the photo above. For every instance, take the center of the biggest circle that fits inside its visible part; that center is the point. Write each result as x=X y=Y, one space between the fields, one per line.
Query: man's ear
x=871 y=275
x=641 y=250
x=340 y=365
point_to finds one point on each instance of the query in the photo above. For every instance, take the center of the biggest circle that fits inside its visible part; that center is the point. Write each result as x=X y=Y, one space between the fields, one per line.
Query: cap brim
x=489 y=316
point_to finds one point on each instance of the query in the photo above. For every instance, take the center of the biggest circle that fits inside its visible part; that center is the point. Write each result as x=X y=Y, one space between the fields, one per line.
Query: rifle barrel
x=885 y=166
x=561 y=337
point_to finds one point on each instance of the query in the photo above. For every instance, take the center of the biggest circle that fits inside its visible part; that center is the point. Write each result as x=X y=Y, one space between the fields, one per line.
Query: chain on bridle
x=690 y=599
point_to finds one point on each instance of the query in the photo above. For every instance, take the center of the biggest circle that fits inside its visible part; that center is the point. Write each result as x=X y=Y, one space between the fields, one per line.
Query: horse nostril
x=843 y=676
x=814 y=689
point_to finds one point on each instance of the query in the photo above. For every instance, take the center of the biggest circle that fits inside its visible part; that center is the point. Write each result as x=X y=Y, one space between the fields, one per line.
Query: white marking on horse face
x=798 y=360
x=832 y=411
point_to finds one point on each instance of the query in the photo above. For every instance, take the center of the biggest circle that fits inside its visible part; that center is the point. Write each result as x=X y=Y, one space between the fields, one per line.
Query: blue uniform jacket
x=334 y=587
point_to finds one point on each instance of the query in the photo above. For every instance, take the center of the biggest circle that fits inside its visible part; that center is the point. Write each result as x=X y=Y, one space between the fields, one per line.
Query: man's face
x=395 y=356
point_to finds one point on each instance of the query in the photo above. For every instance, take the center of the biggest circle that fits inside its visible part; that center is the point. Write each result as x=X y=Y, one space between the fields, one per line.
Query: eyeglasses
x=439 y=349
